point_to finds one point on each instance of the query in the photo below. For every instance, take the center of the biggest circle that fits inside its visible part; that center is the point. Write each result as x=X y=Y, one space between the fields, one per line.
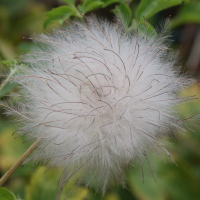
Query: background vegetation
x=21 y=18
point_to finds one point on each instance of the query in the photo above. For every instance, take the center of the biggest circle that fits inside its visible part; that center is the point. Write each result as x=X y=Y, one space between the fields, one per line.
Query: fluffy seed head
x=98 y=96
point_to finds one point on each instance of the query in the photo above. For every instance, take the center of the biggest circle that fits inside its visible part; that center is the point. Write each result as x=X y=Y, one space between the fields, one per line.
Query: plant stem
x=19 y=162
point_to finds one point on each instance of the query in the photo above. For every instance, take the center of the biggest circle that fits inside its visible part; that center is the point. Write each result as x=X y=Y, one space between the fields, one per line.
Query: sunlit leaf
x=109 y=2
x=148 y=8
x=124 y=13
x=90 y=5
x=9 y=63
x=70 y=2
x=59 y=14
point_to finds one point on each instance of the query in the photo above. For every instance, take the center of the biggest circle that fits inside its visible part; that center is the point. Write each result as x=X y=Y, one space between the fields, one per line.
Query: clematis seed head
x=99 y=96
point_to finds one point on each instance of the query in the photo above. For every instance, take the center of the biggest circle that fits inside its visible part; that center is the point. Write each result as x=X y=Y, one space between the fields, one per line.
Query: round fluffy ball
x=98 y=97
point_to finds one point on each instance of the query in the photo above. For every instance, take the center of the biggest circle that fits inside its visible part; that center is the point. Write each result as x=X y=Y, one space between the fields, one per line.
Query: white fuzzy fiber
x=99 y=98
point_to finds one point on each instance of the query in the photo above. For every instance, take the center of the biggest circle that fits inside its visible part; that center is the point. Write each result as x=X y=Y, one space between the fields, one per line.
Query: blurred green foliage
x=5 y=194
x=188 y=14
x=148 y=8
x=20 y=19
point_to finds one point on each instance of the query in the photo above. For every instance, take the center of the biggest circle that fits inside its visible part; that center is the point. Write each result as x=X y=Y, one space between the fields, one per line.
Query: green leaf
x=189 y=13
x=7 y=89
x=144 y=28
x=90 y=5
x=44 y=186
x=5 y=194
x=9 y=63
x=148 y=8
x=59 y=14
x=70 y=2
x=109 y=2
x=124 y=13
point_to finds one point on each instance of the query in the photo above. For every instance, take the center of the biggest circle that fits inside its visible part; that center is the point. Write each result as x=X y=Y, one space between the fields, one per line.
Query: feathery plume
x=99 y=97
